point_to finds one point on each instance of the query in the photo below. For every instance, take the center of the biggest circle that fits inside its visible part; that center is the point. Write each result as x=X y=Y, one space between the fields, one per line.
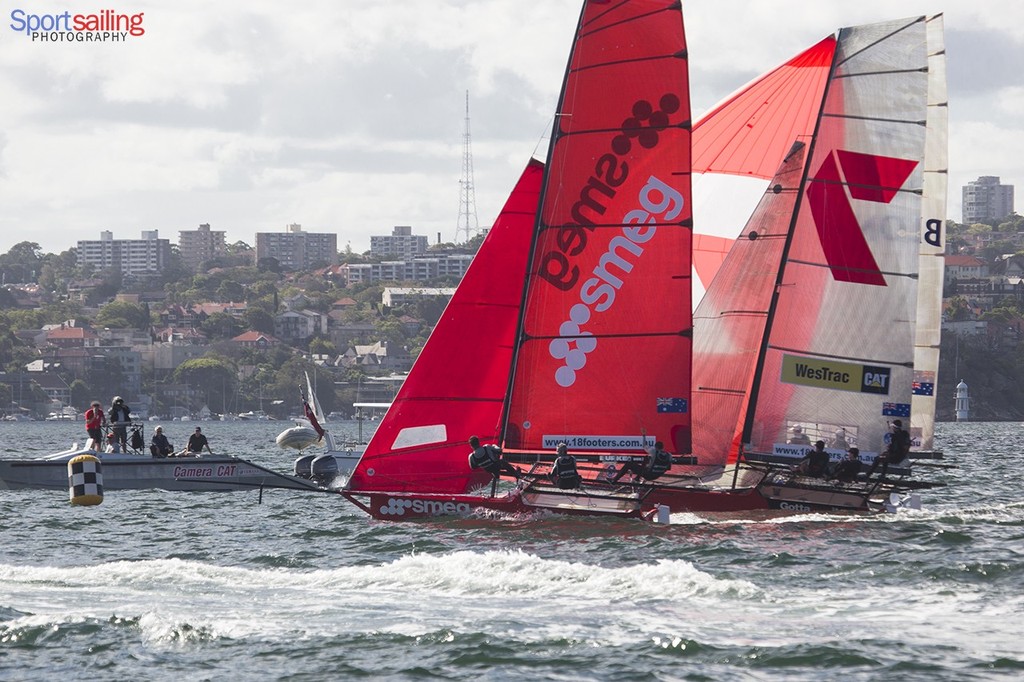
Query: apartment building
x=146 y=256
x=296 y=249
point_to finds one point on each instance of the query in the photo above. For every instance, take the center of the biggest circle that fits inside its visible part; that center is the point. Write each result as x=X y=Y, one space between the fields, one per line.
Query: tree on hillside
x=122 y=315
x=230 y=291
x=259 y=320
x=958 y=309
x=222 y=326
x=213 y=377
x=22 y=263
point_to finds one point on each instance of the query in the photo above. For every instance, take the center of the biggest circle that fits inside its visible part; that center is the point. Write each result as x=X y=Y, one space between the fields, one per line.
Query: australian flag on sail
x=924 y=388
x=895 y=409
x=672 y=405
x=924 y=383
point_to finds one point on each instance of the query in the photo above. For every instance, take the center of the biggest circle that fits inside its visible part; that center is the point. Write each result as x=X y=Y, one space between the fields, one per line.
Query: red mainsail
x=603 y=354
x=457 y=387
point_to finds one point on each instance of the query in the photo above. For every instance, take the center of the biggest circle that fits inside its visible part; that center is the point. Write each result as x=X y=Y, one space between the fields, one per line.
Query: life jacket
x=564 y=470
x=900 y=445
x=660 y=463
x=484 y=456
x=93 y=418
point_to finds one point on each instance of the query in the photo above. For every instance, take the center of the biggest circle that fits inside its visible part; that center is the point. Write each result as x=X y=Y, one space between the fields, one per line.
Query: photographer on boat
x=120 y=418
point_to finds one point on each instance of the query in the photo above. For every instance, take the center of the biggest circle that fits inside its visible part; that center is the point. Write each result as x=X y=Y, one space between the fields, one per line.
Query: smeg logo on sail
x=658 y=202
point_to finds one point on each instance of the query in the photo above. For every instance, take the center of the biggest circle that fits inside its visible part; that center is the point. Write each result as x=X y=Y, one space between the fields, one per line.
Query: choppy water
x=153 y=585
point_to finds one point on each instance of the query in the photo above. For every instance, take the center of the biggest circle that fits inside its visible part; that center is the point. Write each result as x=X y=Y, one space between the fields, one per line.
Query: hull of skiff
x=409 y=506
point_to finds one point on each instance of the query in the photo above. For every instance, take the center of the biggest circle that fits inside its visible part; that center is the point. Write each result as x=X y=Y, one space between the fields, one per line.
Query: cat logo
x=876 y=380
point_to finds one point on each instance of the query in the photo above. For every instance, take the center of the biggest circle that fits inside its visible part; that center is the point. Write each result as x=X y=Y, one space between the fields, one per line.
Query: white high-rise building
x=146 y=256
x=986 y=199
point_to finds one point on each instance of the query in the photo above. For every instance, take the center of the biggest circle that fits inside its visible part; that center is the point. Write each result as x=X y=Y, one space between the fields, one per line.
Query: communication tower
x=467 y=225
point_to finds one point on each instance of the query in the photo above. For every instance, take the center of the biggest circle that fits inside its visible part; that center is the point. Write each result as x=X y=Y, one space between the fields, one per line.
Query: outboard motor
x=304 y=466
x=324 y=470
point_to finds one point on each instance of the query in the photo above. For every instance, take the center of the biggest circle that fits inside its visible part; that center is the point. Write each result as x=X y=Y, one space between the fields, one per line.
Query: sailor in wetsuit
x=563 y=471
x=488 y=458
x=653 y=466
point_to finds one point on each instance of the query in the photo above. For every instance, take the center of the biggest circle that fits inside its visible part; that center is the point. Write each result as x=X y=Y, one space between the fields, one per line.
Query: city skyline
x=351 y=120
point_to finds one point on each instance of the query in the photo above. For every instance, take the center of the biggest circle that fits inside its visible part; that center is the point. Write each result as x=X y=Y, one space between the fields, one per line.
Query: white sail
x=932 y=262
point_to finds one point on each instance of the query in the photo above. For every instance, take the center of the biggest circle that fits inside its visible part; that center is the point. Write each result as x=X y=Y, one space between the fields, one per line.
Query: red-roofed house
x=253 y=339
x=965 y=267
x=72 y=337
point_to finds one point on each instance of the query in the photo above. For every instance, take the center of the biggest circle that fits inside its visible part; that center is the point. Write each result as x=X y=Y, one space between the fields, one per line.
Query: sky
x=350 y=117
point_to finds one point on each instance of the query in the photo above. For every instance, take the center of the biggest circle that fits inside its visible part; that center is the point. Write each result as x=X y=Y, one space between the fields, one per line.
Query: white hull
x=140 y=472
x=297 y=437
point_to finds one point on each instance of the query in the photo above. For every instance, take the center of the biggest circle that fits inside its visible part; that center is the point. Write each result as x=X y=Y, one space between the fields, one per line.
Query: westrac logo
x=101 y=26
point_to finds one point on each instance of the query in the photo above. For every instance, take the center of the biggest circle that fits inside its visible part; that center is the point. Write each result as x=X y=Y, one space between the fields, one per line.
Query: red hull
x=406 y=506
x=401 y=506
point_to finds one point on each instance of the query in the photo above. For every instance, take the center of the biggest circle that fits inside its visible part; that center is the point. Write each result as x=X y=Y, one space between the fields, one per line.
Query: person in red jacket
x=94 y=420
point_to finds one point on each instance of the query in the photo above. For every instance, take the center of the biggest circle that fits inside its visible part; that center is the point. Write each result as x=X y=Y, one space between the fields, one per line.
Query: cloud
x=349 y=117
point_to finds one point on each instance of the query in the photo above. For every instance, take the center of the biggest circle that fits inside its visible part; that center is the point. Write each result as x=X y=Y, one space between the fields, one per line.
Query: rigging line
x=881 y=39
x=830 y=356
x=908 y=275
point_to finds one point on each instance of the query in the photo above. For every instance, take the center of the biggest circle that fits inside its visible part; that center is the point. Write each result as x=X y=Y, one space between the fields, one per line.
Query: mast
x=537 y=227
